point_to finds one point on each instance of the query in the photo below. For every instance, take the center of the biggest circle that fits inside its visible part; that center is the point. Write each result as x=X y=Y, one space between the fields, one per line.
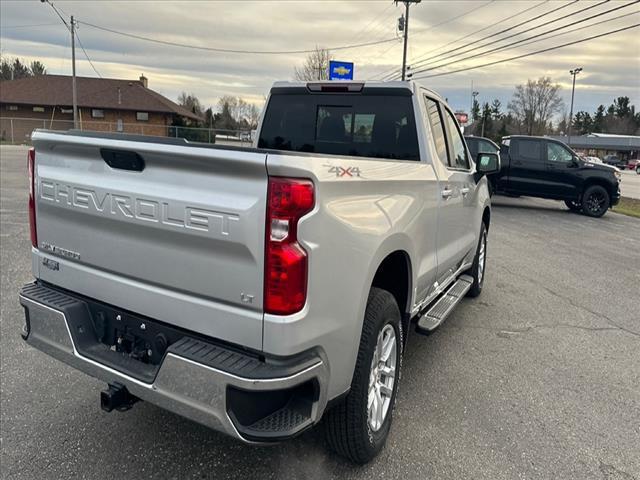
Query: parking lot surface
x=630 y=185
x=538 y=378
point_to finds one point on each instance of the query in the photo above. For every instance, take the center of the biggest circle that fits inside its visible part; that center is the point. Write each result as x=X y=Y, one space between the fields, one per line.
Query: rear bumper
x=252 y=398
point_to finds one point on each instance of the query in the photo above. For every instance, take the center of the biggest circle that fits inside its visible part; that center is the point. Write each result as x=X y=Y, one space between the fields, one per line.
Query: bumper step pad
x=288 y=418
x=236 y=362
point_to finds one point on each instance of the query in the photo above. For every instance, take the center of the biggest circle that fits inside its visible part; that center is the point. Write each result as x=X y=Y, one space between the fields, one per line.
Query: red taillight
x=31 y=165
x=285 y=278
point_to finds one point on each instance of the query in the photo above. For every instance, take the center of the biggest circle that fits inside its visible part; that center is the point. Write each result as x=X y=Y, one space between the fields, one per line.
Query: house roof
x=104 y=93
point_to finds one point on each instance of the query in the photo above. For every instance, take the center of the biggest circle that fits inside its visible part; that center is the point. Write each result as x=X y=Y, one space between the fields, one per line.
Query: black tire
x=573 y=205
x=595 y=201
x=347 y=428
x=638 y=170
x=476 y=272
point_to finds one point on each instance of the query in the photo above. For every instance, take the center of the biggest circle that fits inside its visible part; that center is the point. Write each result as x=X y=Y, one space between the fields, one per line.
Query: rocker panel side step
x=440 y=310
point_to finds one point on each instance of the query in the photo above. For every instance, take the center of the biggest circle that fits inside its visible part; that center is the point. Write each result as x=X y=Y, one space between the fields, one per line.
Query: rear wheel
x=573 y=205
x=358 y=427
x=595 y=201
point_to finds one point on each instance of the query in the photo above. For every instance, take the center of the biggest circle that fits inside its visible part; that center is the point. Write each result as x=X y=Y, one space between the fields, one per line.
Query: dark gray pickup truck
x=546 y=168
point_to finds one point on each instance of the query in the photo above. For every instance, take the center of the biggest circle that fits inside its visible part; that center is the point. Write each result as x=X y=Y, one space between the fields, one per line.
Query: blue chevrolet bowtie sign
x=340 y=70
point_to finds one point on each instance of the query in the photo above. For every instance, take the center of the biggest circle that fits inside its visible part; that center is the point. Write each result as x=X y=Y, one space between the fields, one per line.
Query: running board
x=440 y=310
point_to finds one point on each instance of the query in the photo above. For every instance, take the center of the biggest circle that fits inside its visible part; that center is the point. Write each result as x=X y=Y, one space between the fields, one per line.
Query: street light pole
x=573 y=72
x=72 y=29
x=406 y=34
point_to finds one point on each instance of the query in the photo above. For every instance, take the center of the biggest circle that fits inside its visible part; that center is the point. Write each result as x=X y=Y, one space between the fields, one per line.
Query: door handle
x=464 y=190
x=446 y=193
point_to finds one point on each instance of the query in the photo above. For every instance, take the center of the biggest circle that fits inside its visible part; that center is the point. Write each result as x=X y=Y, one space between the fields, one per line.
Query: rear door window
x=437 y=129
x=529 y=150
x=458 y=150
x=361 y=125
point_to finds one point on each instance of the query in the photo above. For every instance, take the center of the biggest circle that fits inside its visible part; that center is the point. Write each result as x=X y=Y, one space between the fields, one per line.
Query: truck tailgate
x=181 y=240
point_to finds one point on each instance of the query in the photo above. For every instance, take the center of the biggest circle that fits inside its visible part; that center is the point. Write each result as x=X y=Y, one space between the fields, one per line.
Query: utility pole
x=573 y=72
x=72 y=28
x=405 y=26
x=73 y=78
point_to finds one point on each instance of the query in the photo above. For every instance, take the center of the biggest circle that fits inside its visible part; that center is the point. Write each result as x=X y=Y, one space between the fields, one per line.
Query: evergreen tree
x=37 y=68
x=475 y=110
x=495 y=109
x=582 y=123
x=621 y=107
x=598 y=120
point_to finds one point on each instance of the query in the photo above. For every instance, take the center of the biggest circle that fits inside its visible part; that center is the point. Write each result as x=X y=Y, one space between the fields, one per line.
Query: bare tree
x=253 y=115
x=534 y=104
x=237 y=113
x=315 y=67
x=190 y=102
x=227 y=105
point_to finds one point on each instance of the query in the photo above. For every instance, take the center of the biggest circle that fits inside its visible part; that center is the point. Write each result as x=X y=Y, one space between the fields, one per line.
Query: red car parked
x=633 y=164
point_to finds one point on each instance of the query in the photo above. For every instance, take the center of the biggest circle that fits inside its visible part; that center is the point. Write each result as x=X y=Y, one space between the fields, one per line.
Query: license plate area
x=127 y=334
x=130 y=343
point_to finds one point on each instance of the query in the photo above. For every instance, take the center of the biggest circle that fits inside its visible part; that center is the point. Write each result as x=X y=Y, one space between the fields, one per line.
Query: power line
x=426 y=61
x=484 y=53
x=431 y=27
x=582 y=27
x=482 y=29
x=85 y=54
x=227 y=50
x=382 y=54
x=59 y=15
x=375 y=19
x=511 y=28
x=444 y=22
x=530 y=53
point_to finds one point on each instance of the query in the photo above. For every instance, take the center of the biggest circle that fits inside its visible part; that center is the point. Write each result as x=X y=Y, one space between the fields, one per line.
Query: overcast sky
x=611 y=64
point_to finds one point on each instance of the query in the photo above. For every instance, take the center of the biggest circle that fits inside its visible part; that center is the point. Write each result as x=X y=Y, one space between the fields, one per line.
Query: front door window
x=557 y=153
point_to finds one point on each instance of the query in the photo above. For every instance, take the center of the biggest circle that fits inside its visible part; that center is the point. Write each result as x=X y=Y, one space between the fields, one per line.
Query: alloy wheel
x=595 y=202
x=482 y=257
x=382 y=377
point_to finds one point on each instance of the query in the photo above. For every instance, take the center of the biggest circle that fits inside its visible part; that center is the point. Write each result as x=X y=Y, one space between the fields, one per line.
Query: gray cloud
x=611 y=64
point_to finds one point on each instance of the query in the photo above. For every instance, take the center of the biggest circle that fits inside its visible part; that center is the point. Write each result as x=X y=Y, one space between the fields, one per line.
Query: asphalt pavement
x=538 y=378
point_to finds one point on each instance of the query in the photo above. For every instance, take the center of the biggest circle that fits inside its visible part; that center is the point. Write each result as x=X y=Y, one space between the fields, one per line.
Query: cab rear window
x=360 y=125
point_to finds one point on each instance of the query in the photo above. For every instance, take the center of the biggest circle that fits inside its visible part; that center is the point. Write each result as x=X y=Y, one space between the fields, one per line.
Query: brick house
x=104 y=104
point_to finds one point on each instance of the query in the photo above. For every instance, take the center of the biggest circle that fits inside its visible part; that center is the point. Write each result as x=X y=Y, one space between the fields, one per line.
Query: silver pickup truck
x=260 y=290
